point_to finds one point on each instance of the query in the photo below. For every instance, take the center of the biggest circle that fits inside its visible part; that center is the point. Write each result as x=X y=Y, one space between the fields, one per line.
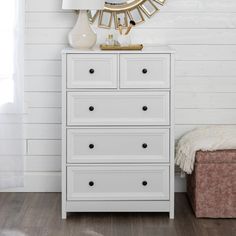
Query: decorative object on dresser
x=125 y=39
x=132 y=47
x=82 y=35
x=118 y=131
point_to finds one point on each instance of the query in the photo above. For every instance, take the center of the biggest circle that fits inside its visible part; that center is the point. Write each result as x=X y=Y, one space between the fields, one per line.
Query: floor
x=37 y=214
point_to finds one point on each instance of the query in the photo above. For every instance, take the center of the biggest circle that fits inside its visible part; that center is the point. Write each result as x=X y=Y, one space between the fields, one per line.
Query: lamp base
x=82 y=36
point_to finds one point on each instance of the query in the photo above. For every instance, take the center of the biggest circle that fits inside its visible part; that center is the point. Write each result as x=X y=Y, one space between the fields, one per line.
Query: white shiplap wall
x=203 y=32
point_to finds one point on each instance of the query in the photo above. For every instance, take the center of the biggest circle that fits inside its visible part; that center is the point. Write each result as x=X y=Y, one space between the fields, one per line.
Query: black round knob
x=145 y=108
x=144 y=71
x=91 y=183
x=144 y=183
x=91 y=108
x=145 y=145
x=91 y=146
x=91 y=71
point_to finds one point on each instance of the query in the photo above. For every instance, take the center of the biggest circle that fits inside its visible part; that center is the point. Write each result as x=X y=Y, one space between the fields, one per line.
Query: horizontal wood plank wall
x=203 y=33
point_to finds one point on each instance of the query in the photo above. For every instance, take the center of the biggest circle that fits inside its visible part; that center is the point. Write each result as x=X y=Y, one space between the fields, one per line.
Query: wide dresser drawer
x=145 y=71
x=118 y=108
x=118 y=182
x=117 y=145
x=91 y=71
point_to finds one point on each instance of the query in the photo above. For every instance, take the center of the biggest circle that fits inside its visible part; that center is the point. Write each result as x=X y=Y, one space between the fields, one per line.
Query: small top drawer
x=91 y=71
x=145 y=71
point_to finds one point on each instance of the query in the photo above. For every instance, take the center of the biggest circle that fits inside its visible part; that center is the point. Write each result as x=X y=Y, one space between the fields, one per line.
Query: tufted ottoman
x=211 y=187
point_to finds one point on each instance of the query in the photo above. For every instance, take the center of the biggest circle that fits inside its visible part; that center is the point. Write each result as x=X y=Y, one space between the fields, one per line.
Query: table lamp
x=82 y=36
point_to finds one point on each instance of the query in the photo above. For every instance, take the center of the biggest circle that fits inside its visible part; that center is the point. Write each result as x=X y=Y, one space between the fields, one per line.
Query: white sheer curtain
x=11 y=93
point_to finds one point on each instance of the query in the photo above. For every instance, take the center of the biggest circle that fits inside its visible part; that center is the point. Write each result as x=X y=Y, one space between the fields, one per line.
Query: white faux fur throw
x=206 y=139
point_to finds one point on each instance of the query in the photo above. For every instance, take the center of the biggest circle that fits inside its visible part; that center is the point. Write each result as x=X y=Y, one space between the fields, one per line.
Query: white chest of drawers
x=117 y=131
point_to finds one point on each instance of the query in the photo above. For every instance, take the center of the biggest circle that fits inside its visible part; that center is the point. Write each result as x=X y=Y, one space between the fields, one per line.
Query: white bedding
x=209 y=138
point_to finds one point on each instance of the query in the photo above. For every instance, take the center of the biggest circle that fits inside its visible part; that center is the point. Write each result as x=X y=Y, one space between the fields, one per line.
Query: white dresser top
x=146 y=49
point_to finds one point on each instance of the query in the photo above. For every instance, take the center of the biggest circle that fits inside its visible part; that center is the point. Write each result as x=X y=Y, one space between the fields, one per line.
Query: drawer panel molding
x=118 y=108
x=116 y=182
x=91 y=71
x=121 y=145
x=145 y=71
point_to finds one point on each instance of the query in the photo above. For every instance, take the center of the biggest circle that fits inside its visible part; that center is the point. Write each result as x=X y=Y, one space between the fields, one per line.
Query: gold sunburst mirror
x=122 y=11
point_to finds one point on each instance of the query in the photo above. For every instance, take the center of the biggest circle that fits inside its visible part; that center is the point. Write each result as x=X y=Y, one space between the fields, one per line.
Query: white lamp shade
x=83 y=4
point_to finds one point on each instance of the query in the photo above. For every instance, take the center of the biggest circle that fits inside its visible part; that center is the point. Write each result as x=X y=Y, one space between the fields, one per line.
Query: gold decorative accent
x=123 y=19
x=105 y=19
x=136 y=15
x=125 y=10
x=93 y=16
x=118 y=47
x=149 y=8
x=160 y=1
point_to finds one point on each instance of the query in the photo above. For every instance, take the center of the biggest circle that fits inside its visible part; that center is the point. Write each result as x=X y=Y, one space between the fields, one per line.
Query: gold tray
x=117 y=47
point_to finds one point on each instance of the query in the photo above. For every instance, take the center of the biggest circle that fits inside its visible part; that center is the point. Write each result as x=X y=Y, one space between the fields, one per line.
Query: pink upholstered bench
x=212 y=186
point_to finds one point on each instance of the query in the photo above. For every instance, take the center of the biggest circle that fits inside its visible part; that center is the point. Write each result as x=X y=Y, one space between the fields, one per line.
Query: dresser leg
x=172 y=214
x=63 y=215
